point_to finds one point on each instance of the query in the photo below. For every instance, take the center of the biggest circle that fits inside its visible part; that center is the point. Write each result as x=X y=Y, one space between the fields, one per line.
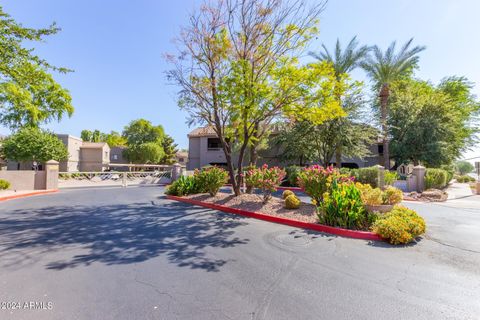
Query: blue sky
x=116 y=48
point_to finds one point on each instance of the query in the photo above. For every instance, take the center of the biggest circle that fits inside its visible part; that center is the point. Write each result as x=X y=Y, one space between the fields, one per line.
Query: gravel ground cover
x=253 y=202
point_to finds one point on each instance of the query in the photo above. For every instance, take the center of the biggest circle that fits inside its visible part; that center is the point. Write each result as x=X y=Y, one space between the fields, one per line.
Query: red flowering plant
x=265 y=178
x=316 y=180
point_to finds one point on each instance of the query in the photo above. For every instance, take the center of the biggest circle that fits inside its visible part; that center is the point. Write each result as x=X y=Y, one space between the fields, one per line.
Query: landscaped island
x=337 y=201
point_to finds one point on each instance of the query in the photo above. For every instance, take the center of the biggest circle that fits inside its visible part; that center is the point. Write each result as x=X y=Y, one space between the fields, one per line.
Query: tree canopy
x=144 y=141
x=431 y=124
x=29 y=95
x=33 y=144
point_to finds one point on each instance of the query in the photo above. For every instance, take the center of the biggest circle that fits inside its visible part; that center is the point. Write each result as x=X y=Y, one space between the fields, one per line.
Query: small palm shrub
x=316 y=180
x=184 y=186
x=4 y=184
x=292 y=175
x=436 y=178
x=342 y=207
x=211 y=179
x=399 y=226
x=390 y=177
x=292 y=202
x=265 y=178
x=287 y=193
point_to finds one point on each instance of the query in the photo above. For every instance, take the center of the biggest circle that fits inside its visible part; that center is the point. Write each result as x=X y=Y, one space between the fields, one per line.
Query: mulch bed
x=253 y=202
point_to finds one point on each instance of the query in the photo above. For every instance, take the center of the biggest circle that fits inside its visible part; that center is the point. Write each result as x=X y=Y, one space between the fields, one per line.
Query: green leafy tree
x=148 y=152
x=86 y=135
x=238 y=70
x=142 y=131
x=29 y=96
x=170 y=150
x=114 y=139
x=33 y=144
x=431 y=125
x=96 y=136
x=384 y=68
x=141 y=136
x=464 y=167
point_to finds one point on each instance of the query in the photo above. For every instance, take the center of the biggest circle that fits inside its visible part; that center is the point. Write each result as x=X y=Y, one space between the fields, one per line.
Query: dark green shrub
x=435 y=178
x=184 y=186
x=4 y=184
x=366 y=175
x=450 y=169
x=342 y=207
x=292 y=175
x=401 y=225
x=211 y=179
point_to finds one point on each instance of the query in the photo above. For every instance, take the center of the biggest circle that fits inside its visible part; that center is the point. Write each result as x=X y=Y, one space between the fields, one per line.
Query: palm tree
x=384 y=68
x=343 y=62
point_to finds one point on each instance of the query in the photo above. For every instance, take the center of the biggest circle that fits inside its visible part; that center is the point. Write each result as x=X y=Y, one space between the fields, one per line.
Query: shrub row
x=465 y=179
x=436 y=178
x=208 y=180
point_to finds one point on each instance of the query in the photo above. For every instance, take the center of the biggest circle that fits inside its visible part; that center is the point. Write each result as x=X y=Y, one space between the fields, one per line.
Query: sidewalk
x=459 y=190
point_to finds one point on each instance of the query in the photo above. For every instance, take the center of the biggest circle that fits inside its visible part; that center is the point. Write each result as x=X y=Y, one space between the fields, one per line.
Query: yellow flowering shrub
x=401 y=225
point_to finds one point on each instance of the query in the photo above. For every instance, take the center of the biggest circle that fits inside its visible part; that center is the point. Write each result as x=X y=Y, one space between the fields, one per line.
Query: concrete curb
x=364 y=235
x=30 y=194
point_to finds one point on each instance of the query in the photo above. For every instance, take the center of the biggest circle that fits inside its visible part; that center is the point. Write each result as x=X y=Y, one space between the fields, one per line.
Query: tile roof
x=206 y=131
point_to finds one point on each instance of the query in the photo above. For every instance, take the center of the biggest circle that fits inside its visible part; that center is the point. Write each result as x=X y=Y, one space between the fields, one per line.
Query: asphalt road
x=131 y=254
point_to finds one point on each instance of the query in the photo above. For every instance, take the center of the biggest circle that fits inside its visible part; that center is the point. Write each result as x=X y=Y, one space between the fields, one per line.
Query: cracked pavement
x=115 y=253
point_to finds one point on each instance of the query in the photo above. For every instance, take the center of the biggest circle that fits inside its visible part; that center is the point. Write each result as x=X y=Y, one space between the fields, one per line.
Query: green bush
x=450 y=169
x=184 y=186
x=375 y=196
x=292 y=202
x=463 y=167
x=465 y=179
x=292 y=175
x=401 y=225
x=436 y=178
x=390 y=177
x=366 y=175
x=287 y=193
x=211 y=179
x=4 y=184
x=342 y=207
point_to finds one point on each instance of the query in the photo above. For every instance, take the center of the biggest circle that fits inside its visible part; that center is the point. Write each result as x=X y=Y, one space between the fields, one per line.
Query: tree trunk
x=338 y=157
x=384 y=94
x=253 y=155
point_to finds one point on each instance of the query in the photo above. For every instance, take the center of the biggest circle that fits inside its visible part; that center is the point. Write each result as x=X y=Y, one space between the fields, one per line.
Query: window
x=213 y=144
x=115 y=157
x=180 y=159
x=380 y=149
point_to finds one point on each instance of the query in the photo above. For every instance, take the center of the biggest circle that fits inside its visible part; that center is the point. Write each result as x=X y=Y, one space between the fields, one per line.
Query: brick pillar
x=381 y=177
x=51 y=174
x=419 y=173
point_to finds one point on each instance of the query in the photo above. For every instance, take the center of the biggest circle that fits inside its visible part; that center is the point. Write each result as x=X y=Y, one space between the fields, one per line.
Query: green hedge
x=368 y=175
x=436 y=178
x=292 y=175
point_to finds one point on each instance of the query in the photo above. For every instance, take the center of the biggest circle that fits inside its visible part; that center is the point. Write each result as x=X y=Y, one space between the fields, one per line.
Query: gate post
x=177 y=171
x=419 y=173
x=124 y=179
x=51 y=174
x=381 y=177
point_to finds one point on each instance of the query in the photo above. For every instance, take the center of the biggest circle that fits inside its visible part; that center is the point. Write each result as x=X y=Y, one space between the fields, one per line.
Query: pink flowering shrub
x=265 y=178
x=316 y=180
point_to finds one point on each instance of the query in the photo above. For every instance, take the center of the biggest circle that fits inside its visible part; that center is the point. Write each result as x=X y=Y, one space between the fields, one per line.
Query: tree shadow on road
x=117 y=234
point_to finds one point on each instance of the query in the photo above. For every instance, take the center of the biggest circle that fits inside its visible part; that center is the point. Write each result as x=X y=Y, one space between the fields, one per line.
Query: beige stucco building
x=205 y=149
x=94 y=156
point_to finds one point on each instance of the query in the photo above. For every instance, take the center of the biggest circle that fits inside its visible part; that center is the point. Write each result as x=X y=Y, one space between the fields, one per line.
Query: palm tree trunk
x=384 y=94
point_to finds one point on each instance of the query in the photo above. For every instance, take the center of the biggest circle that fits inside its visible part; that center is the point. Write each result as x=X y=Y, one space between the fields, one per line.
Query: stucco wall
x=24 y=179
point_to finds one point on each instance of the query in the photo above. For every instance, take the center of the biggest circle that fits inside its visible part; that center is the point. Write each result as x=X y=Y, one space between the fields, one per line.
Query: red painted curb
x=24 y=195
x=365 y=235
